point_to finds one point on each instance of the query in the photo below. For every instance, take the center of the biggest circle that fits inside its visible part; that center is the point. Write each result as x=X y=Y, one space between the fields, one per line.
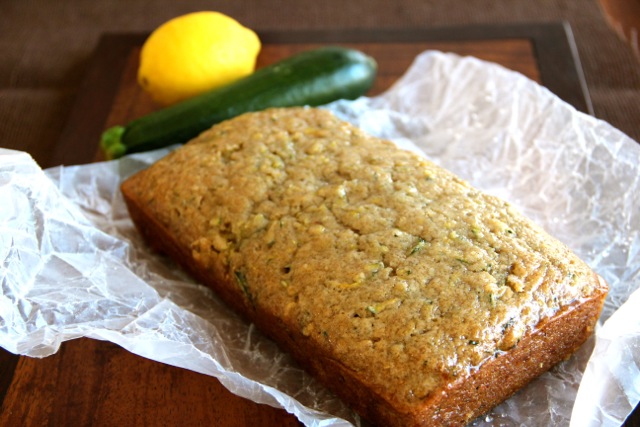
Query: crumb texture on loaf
x=393 y=266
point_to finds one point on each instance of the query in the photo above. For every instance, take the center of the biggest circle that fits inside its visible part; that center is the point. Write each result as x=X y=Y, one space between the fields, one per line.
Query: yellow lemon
x=195 y=53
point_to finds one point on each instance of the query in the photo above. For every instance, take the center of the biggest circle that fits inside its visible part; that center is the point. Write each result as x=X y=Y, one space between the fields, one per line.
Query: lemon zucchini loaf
x=415 y=297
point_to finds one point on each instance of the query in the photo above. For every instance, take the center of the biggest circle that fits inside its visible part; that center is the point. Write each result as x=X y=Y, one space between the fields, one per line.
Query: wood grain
x=97 y=383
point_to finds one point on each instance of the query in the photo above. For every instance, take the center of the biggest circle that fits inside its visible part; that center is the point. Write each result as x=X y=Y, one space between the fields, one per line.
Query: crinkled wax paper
x=72 y=265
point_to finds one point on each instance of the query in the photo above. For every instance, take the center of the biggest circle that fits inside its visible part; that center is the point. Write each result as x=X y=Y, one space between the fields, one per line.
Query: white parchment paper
x=72 y=265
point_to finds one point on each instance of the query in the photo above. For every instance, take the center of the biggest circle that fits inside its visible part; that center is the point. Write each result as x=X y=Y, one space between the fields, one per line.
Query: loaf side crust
x=451 y=395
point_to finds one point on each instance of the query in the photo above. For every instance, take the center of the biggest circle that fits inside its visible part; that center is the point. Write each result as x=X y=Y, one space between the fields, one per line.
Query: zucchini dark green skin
x=310 y=78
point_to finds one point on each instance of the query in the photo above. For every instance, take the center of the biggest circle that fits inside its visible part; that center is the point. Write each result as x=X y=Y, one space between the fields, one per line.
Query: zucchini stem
x=111 y=142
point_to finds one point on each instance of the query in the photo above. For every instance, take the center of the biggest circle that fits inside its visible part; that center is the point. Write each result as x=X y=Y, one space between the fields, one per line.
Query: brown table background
x=51 y=107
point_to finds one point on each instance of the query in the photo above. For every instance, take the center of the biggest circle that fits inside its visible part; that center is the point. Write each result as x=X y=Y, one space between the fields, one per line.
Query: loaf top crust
x=393 y=266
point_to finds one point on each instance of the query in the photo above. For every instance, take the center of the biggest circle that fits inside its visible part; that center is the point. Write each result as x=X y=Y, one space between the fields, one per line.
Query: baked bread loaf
x=416 y=298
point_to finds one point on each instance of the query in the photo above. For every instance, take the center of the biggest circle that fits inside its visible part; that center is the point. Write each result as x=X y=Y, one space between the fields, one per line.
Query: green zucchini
x=312 y=78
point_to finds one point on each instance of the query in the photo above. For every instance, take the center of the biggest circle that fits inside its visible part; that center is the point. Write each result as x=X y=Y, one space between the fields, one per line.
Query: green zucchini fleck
x=244 y=285
x=418 y=246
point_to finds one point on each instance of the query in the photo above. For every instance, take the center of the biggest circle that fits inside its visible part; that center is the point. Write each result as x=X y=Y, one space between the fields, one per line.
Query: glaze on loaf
x=415 y=297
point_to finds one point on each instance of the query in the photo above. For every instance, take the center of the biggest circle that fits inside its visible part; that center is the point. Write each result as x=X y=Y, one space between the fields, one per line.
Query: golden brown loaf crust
x=415 y=297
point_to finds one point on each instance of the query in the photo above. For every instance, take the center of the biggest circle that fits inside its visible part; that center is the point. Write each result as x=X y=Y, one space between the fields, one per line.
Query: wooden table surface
x=94 y=383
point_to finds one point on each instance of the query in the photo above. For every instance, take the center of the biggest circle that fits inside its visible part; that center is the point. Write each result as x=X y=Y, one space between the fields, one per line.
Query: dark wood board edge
x=561 y=54
x=553 y=44
x=93 y=102
x=8 y=363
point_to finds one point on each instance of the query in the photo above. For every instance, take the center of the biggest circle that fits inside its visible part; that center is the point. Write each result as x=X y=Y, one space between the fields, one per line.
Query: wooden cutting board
x=96 y=383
